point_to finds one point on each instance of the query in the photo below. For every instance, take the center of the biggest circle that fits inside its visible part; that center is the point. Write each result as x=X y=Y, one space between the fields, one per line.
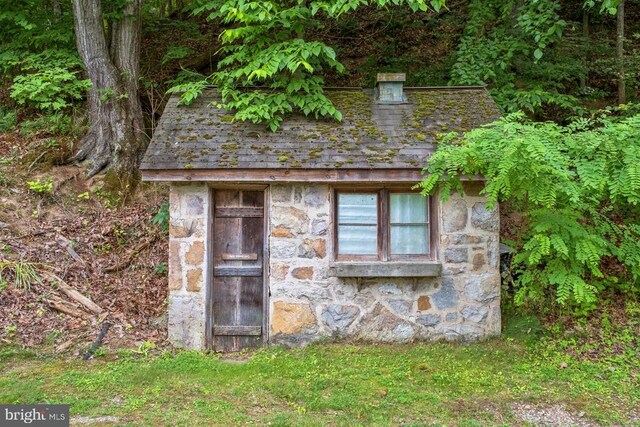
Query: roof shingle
x=371 y=135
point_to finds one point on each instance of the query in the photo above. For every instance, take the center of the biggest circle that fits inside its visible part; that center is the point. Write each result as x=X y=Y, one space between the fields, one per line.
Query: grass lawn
x=328 y=384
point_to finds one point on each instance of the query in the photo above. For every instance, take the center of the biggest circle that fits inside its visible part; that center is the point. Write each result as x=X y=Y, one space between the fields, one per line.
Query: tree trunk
x=585 y=36
x=116 y=136
x=622 y=92
x=57 y=10
x=125 y=55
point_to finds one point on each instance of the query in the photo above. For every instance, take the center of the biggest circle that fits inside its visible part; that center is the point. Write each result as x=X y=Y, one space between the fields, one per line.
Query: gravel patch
x=551 y=416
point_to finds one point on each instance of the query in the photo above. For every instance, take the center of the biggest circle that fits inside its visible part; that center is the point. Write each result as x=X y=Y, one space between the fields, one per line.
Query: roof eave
x=405 y=175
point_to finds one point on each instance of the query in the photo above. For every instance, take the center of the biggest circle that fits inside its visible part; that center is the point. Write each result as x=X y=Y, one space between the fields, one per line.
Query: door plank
x=239 y=212
x=227 y=198
x=253 y=198
x=224 y=309
x=237 y=271
x=252 y=234
x=225 y=238
x=252 y=288
x=237 y=330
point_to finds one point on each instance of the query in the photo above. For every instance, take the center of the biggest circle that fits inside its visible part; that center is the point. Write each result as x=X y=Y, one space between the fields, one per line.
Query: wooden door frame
x=265 y=261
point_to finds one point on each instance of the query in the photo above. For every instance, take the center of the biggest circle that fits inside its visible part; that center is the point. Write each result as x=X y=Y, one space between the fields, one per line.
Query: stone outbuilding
x=315 y=231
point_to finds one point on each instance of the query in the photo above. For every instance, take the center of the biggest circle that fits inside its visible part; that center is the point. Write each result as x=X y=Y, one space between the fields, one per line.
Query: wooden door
x=238 y=270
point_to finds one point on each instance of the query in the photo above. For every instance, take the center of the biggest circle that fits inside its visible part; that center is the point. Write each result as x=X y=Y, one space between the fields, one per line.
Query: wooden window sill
x=385 y=269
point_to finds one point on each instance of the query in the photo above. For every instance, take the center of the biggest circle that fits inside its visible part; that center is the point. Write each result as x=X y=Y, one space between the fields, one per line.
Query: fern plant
x=578 y=187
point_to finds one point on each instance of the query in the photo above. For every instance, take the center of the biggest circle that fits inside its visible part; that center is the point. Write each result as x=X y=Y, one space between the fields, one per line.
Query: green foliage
x=532 y=60
x=144 y=348
x=37 y=51
x=189 y=91
x=491 y=43
x=608 y=333
x=535 y=98
x=264 y=45
x=578 y=187
x=56 y=123
x=525 y=53
x=50 y=89
x=609 y=6
x=24 y=274
x=7 y=120
x=184 y=77
x=113 y=10
x=176 y=53
x=161 y=218
x=161 y=269
x=41 y=187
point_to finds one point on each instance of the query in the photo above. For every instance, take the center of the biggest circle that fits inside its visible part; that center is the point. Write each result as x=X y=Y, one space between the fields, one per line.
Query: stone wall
x=308 y=304
x=189 y=218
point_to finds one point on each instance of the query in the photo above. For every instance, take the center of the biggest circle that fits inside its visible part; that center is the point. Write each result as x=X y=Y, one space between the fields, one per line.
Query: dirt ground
x=80 y=235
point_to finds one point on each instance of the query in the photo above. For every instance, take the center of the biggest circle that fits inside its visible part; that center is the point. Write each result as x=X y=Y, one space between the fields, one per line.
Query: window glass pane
x=357 y=208
x=409 y=239
x=408 y=207
x=357 y=239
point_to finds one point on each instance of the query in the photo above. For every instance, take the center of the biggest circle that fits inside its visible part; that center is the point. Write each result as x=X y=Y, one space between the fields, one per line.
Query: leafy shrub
x=44 y=77
x=577 y=186
x=7 y=120
x=51 y=89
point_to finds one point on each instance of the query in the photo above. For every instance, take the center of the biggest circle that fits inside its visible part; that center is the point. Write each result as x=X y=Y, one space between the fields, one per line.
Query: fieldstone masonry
x=461 y=304
x=189 y=212
x=307 y=303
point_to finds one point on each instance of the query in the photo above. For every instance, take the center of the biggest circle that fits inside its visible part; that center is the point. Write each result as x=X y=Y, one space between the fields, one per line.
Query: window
x=382 y=225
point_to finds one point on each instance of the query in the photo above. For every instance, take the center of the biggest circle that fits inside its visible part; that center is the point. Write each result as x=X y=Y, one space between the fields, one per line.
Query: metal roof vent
x=389 y=88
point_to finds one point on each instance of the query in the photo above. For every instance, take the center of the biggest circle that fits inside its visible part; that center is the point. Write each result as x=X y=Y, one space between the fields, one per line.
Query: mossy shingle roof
x=371 y=135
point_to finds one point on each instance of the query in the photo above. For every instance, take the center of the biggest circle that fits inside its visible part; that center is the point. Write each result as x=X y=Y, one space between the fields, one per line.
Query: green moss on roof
x=371 y=135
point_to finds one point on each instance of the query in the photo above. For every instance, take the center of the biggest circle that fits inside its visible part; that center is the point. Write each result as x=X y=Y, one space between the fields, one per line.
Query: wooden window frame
x=384 y=226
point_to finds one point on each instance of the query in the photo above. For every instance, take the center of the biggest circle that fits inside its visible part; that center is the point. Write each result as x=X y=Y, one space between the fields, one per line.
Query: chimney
x=389 y=88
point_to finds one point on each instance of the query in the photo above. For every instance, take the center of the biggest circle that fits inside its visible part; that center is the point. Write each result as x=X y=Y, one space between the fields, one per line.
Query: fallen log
x=66 y=308
x=76 y=296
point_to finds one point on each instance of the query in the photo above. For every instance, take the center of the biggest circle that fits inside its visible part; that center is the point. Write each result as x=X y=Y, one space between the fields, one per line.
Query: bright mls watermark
x=34 y=415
